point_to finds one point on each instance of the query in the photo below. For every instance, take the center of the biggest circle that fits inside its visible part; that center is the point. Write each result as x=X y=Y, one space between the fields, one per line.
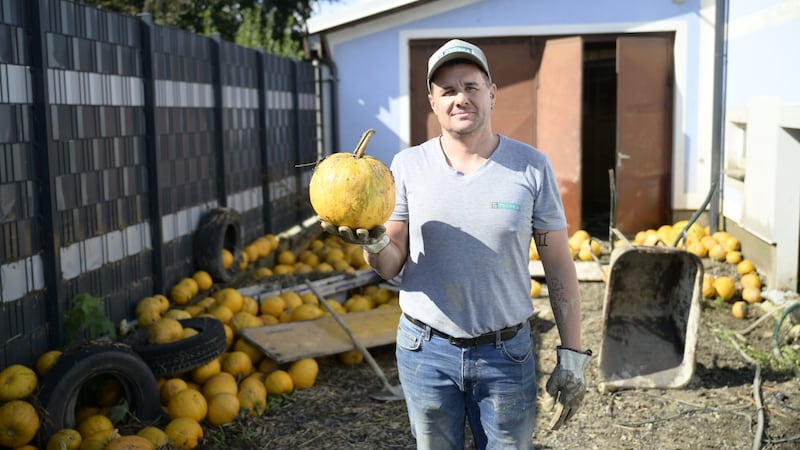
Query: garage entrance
x=593 y=104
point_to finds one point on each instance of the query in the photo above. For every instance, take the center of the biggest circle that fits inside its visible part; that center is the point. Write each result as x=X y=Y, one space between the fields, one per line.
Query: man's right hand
x=373 y=241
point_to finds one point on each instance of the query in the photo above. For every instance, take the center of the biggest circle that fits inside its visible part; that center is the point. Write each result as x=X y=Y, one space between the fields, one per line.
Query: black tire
x=74 y=370
x=184 y=355
x=219 y=229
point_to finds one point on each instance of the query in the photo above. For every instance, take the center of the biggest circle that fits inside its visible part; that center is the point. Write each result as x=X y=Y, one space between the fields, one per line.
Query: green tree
x=277 y=26
x=258 y=30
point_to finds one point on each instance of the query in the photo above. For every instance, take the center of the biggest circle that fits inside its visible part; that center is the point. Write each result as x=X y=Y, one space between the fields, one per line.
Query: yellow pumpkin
x=184 y=433
x=739 y=309
x=94 y=424
x=131 y=442
x=203 y=280
x=237 y=363
x=351 y=357
x=46 y=361
x=725 y=287
x=99 y=440
x=19 y=423
x=164 y=331
x=751 y=294
x=304 y=372
x=65 y=439
x=201 y=374
x=17 y=382
x=255 y=353
x=279 y=382
x=306 y=311
x=353 y=189
x=155 y=435
x=188 y=403
x=253 y=396
x=221 y=382
x=169 y=388
x=223 y=408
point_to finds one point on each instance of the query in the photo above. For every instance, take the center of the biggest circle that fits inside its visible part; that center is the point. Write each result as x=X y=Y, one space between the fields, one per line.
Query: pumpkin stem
x=361 y=148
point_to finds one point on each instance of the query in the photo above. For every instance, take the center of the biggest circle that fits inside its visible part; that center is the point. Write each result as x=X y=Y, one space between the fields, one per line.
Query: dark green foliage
x=276 y=26
x=87 y=319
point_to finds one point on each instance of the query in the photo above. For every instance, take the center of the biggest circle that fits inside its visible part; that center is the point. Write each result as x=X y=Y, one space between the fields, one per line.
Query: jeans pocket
x=409 y=337
x=520 y=347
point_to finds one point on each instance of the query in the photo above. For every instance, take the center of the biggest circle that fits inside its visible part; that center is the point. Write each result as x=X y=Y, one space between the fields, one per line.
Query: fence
x=116 y=136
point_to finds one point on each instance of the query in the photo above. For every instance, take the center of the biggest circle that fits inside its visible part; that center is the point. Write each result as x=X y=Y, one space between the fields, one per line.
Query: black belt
x=487 y=338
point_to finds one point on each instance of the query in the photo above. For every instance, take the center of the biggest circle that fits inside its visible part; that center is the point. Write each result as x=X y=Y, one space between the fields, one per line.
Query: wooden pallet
x=286 y=342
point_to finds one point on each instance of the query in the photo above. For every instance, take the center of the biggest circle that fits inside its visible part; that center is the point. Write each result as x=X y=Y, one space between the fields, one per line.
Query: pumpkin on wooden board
x=353 y=189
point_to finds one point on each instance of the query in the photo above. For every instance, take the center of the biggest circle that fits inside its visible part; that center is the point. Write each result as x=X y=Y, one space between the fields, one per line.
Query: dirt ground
x=716 y=410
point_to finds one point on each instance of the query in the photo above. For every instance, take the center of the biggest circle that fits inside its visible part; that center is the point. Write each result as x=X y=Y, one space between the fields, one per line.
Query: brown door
x=513 y=62
x=644 y=133
x=558 y=121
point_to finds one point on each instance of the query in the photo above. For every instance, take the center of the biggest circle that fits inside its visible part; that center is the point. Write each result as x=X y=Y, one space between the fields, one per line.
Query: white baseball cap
x=457 y=49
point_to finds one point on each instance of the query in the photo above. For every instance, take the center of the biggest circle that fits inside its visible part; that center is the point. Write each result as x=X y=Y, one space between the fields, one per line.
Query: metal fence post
x=148 y=76
x=38 y=19
x=219 y=142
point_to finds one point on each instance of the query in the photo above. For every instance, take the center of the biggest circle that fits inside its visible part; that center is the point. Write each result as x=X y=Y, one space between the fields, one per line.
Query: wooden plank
x=286 y=342
x=587 y=270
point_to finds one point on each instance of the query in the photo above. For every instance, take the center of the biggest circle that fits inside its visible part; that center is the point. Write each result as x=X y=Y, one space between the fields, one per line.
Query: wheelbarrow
x=651 y=313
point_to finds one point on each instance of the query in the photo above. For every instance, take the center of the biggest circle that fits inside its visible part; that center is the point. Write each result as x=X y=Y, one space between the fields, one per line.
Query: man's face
x=461 y=99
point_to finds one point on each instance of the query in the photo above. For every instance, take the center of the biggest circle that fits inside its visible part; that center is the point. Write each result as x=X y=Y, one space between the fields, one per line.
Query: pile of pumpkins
x=740 y=291
x=582 y=246
x=238 y=382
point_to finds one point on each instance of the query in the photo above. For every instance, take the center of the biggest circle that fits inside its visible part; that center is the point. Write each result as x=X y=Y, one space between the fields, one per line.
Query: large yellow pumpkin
x=188 y=403
x=19 y=423
x=353 y=189
x=17 y=382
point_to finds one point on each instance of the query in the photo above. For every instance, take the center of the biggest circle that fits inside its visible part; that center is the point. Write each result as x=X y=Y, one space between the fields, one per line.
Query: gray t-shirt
x=469 y=235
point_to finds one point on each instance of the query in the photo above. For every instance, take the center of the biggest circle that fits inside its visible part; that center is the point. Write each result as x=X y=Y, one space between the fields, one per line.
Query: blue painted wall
x=764 y=60
x=761 y=60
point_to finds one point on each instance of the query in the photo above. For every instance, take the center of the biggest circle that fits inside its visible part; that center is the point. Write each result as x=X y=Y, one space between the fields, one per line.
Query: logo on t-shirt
x=505 y=205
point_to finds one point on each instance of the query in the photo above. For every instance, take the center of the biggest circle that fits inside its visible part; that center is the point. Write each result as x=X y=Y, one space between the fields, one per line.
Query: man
x=468 y=203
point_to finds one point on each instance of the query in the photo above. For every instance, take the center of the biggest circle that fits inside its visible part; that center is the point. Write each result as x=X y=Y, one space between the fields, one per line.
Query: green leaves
x=87 y=319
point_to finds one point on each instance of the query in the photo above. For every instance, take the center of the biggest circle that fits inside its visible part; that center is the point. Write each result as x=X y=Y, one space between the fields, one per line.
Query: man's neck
x=466 y=153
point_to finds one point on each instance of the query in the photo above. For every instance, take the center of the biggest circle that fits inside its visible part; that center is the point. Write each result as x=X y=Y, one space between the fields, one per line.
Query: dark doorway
x=598 y=134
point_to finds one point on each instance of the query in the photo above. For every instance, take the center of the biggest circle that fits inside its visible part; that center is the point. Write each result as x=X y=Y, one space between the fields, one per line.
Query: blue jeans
x=491 y=385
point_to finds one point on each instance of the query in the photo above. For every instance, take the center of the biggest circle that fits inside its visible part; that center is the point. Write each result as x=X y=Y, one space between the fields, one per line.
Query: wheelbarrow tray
x=651 y=314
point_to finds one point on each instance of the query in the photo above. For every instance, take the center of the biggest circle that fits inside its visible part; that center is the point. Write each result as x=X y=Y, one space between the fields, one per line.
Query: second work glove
x=567 y=384
x=373 y=241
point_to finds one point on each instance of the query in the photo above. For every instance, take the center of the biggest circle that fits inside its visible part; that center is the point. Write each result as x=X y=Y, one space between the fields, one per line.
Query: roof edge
x=353 y=14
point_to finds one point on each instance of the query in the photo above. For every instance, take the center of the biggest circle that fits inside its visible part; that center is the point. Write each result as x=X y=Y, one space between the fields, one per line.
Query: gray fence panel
x=97 y=140
x=23 y=317
x=116 y=136
x=241 y=136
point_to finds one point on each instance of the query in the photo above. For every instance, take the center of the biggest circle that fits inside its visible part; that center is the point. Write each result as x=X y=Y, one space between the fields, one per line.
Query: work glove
x=567 y=384
x=373 y=241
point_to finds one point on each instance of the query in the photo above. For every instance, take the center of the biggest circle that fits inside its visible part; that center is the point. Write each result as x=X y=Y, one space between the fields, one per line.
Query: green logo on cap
x=457 y=49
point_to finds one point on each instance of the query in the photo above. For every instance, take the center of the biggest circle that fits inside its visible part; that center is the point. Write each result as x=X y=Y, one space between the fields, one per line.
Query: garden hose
x=775 y=347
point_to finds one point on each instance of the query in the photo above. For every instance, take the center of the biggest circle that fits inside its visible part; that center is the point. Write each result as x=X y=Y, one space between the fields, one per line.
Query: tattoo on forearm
x=564 y=308
x=540 y=238
x=556 y=289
